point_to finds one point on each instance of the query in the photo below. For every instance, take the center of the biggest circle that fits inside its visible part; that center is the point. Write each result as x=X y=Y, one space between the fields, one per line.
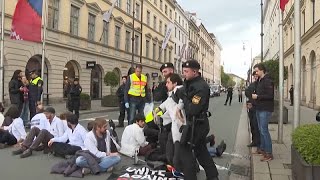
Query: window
x=179 y=50
x=118 y=3
x=166 y=9
x=313 y=11
x=161 y=5
x=91 y=27
x=129 y=6
x=53 y=14
x=175 y=32
x=154 y=51
x=165 y=55
x=182 y=23
x=128 y=37
x=105 y=32
x=154 y=22
x=165 y=29
x=160 y=26
x=160 y=53
x=155 y=2
x=303 y=22
x=117 y=38
x=179 y=35
x=147 y=48
x=148 y=18
x=136 y=46
x=169 y=56
x=170 y=14
x=176 y=15
x=74 y=20
x=179 y=19
x=175 y=48
x=137 y=11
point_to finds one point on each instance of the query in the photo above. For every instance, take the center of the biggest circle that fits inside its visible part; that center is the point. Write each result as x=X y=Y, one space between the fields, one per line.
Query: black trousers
x=187 y=157
x=229 y=98
x=62 y=149
x=151 y=131
x=7 y=138
x=291 y=99
x=240 y=98
x=123 y=111
x=254 y=127
x=32 y=107
x=74 y=105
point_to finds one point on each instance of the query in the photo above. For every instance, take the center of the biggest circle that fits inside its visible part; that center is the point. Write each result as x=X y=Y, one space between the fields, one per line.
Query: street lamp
x=202 y=65
x=261 y=34
x=244 y=48
x=132 y=48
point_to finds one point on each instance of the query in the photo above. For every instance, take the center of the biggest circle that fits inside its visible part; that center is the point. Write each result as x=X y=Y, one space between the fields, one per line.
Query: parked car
x=216 y=90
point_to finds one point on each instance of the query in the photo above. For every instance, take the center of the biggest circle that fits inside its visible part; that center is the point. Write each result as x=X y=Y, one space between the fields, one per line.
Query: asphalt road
x=224 y=124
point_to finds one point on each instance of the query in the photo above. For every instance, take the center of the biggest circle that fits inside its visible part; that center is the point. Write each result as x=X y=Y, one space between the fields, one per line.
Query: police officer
x=35 y=91
x=122 y=108
x=195 y=96
x=74 y=97
x=160 y=93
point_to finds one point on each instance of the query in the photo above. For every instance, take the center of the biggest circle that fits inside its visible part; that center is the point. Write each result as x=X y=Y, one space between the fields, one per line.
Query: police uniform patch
x=39 y=84
x=196 y=99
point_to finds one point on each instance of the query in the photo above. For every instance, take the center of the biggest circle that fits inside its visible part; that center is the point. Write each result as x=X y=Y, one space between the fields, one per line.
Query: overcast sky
x=234 y=23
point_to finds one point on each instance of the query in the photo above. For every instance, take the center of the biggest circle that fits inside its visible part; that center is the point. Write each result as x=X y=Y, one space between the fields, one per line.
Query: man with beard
x=161 y=92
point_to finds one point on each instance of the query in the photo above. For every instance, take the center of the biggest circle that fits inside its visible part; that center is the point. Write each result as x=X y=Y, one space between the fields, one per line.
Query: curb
x=99 y=111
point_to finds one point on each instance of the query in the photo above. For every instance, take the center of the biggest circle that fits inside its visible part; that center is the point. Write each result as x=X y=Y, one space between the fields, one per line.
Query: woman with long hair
x=16 y=90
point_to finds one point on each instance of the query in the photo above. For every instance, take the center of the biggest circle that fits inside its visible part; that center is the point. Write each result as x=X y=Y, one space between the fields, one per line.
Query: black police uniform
x=161 y=92
x=196 y=97
x=74 y=98
x=123 y=109
x=34 y=95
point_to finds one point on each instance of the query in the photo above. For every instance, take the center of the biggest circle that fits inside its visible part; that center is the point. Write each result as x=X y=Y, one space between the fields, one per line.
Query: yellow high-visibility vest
x=149 y=117
x=35 y=81
x=137 y=87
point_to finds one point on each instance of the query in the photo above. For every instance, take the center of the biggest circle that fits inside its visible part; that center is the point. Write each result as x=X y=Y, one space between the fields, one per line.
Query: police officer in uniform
x=161 y=92
x=74 y=97
x=195 y=95
x=35 y=91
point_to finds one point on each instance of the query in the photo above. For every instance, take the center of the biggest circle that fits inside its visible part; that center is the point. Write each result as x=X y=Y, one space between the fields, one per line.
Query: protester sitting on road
x=75 y=135
x=90 y=125
x=98 y=141
x=54 y=128
x=133 y=138
x=15 y=132
x=39 y=120
x=63 y=117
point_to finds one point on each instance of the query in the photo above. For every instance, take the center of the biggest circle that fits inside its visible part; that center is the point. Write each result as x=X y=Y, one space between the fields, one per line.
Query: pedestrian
x=229 y=96
x=264 y=98
x=196 y=103
x=25 y=109
x=74 y=97
x=136 y=92
x=240 y=94
x=35 y=91
x=16 y=90
x=122 y=107
x=291 y=95
x=251 y=108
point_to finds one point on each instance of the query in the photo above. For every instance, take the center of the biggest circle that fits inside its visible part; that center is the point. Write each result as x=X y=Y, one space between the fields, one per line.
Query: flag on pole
x=107 y=14
x=26 y=21
x=167 y=37
x=183 y=49
x=283 y=4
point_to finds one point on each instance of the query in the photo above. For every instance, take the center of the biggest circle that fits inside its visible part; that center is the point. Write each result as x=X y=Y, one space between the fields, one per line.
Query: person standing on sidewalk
x=240 y=94
x=16 y=90
x=122 y=108
x=229 y=96
x=136 y=92
x=35 y=92
x=74 y=95
x=252 y=112
x=264 y=97
x=291 y=95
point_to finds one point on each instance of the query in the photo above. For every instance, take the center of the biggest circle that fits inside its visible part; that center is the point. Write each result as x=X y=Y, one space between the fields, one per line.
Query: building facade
x=217 y=61
x=271 y=23
x=181 y=33
x=77 y=37
x=310 y=51
x=193 y=48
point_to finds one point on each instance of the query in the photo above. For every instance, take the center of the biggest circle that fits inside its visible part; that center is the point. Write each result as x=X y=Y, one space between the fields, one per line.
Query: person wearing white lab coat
x=133 y=138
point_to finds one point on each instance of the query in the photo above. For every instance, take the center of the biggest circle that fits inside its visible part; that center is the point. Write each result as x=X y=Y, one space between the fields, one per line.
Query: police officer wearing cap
x=74 y=97
x=35 y=91
x=161 y=93
x=195 y=95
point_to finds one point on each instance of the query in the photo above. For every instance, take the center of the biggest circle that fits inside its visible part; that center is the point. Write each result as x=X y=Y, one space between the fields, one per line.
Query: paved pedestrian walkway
x=280 y=167
x=95 y=108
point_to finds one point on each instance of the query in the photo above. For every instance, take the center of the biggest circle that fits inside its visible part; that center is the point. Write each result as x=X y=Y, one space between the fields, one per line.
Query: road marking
x=221 y=168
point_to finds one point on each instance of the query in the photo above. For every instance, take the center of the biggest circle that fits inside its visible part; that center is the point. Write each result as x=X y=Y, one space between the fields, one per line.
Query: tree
x=226 y=80
x=111 y=79
x=272 y=67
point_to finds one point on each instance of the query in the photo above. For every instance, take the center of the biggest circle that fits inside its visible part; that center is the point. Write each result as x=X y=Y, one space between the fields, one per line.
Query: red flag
x=26 y=21
x=283 y=4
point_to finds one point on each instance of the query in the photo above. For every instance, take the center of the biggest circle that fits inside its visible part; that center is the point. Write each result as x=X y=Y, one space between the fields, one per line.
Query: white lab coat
x=16 y=128
x=132 y=139
x=170 y=107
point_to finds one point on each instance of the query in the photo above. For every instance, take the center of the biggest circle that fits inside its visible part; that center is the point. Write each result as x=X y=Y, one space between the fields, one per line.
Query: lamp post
x=202 y=65
x=261 y=34
x=250 y=66
x=132 y=48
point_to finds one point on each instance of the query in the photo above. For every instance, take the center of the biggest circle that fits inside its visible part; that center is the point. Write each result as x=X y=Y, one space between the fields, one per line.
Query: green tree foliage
x=273 y=69
x=111 y=79
x=226 y=80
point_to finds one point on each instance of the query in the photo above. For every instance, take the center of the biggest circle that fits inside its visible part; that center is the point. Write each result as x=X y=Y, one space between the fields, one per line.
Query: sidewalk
x=95 y=108
x=280 y=167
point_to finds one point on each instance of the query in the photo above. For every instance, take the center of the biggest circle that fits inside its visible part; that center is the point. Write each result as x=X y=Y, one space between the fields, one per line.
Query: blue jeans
x=105 y=162
x=133 y=107
x=263 y=118
x=212 y=150
x=25 y=113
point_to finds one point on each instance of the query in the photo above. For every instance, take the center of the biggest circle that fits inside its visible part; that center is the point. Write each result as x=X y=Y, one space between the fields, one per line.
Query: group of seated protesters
x=63 y=136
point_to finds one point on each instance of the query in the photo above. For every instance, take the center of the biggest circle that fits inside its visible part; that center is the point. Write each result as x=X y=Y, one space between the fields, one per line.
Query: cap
x=166 y=65
x=191 y=64
x=50 y=110
x=33 y=70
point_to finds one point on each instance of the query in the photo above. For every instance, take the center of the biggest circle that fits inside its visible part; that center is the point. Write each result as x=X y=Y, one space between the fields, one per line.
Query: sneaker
x=221 y=148
x=266 y=158
x=86 y=171
x=26 y=153
x=2 y=146
x=18 y=151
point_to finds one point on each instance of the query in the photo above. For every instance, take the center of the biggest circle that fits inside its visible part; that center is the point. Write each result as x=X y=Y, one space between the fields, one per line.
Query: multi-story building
x=77 y=37
x=310 y=51
x=181 y=38
x=193 y=48
x=238 y=80
x=217 y=61
x=271 y=29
